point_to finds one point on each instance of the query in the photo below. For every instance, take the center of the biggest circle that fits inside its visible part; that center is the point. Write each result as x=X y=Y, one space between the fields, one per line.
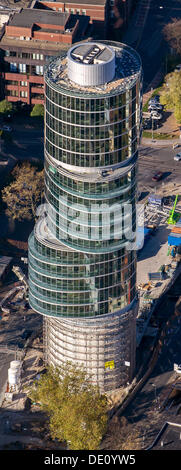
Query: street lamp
x=153 y=385
x=152 y=126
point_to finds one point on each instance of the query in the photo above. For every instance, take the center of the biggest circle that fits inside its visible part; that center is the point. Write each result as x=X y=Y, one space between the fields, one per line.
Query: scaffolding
x=104 y=346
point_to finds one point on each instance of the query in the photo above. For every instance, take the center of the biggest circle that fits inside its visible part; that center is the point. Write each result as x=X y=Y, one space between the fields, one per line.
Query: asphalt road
x=154 y=159
x=25 y=143
x=153 y=47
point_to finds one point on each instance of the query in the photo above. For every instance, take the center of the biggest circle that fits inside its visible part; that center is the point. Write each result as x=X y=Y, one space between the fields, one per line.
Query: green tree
x=172 y=33
x=37 y=111
x=23 y=195
x=76 y=409
x=5 y=107
x=171 y=94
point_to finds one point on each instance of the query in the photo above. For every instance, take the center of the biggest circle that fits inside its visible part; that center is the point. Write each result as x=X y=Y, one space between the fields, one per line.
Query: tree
x=172 y=33
x=76 y=409
x=24 y=193
x=5 y=107
x=171 y=94
x=37 y=111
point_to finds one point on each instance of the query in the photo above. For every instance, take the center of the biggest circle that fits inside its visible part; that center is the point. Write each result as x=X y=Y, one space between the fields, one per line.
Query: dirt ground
x=170 y=125
x=22 y=424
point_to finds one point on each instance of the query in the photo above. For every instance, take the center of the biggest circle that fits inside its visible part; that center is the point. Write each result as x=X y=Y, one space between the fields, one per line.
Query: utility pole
x=152 y=127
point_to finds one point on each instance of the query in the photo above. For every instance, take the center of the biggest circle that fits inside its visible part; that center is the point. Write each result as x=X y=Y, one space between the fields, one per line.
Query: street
x=26 y=141
x=153 y=159
x=152 y=45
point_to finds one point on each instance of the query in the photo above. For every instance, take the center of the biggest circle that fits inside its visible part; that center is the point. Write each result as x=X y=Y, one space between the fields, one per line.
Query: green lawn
x=158 y=136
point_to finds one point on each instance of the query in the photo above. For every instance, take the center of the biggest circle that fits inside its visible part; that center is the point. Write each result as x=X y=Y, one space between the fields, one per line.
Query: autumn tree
x=172 y=33
x=37 y=111
x=23 y=195
x=5 y=107
x=171 y=94
x=76 y=409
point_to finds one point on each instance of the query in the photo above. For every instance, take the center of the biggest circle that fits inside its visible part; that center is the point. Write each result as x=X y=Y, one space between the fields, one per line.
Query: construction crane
x=173 y=217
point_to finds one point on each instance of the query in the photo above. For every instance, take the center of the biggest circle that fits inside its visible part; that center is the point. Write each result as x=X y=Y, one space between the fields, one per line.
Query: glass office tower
x=82 y=259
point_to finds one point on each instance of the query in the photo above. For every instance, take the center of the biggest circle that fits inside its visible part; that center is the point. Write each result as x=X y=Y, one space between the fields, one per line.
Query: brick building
x=97 y=10
x=30 y=38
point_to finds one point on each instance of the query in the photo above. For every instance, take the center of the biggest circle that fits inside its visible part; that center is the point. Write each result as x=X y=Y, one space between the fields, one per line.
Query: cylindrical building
x=82 y=266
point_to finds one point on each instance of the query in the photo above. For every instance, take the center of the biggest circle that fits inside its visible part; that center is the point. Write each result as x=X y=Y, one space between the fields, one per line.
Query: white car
x=177 y=157
x=155 y=115
x=155 y=106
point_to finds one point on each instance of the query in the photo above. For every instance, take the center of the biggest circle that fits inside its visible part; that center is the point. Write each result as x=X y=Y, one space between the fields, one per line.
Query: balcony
x=37 y=89
x=37 y=101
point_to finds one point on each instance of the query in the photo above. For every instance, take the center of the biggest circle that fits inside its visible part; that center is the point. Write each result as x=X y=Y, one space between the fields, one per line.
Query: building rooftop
x=91 y=53
x=45 y=19
x=127 y=70
x=79 y=2
x=27 y=17
x=35 y=45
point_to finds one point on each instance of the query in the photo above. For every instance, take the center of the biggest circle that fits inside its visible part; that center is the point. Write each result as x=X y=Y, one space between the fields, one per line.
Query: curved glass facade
x=91 y=132
x=79 y=262
x=68 y=283
x=85 y=200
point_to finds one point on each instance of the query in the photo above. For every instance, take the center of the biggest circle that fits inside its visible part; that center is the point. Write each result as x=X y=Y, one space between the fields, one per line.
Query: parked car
x=155 y=99
x=156 y=115
x=177 y=157
x=155 y=106
x=149 y=124
x=178 y=68
x=7 y=128
x=157 y=176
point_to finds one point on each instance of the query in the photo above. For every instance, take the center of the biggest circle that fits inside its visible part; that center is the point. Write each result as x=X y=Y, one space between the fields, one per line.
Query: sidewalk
x=160 y=143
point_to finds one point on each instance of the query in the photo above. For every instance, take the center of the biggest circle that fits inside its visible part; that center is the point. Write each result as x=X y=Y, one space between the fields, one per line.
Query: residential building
x=31 y=37
x=82 y=269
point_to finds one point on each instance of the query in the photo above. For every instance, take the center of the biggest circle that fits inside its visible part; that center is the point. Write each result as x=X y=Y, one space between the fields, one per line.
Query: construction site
x=159 y=259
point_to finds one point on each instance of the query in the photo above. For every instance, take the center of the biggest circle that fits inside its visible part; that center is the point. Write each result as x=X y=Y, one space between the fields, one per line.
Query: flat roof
x=91 y=53
x=128 y=68
x=26 y=17
x=36 y=45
